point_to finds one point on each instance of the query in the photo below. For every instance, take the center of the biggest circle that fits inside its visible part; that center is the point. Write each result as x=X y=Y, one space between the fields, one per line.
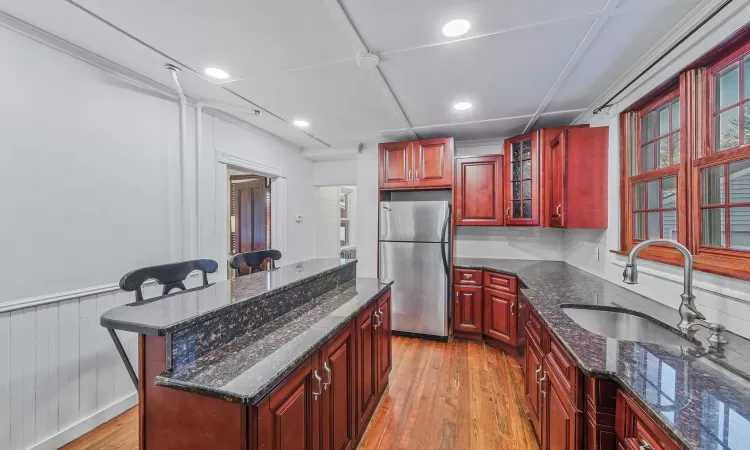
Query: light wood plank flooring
x=456 y=395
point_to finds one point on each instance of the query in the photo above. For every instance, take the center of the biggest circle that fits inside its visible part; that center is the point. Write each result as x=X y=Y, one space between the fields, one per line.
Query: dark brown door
x=339 y=426
x=433 y=163
x=395 y=167
x=367 y=372
x=560 y=416
x=500 y=315
x=467 y=309
x=532 y=374
x=384 y=340
x=556 y=204
x=478 y=191
x=290 y=418
x=522 y=180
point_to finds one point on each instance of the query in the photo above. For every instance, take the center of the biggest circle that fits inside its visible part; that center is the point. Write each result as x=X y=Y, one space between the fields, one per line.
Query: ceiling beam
x=575 y=58
x=345 y=23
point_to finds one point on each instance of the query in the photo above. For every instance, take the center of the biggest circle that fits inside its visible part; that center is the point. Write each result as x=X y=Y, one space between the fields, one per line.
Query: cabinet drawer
x=570 y=376
x=467 y=276
x=534 y=328
x=500 y=282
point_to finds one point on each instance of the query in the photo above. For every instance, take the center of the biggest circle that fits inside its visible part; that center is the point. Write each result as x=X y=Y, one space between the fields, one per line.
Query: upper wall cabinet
x=424 y=164
x=522 y=179
x=478 y=191
x=575 y=182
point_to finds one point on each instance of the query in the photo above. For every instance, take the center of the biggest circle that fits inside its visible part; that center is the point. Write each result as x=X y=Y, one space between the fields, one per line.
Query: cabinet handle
x=645 y=445
x=459 y=213
x=507 y=212
x=408 y=176
x=325 y=367
x=557 y=210
x=377 y=322
x=536 y=374
x=511 y=308
x=416 y=175
x=320 y=385
x=541 y=385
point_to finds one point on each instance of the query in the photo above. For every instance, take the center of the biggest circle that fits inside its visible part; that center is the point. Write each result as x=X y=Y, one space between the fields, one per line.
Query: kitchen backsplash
x=510 y=243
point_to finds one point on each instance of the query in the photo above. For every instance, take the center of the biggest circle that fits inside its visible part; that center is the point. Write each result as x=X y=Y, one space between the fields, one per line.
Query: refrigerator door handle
x=443 y=241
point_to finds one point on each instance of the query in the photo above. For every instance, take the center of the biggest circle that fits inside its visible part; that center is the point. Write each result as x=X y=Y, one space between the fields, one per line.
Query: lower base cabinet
x=636 y=430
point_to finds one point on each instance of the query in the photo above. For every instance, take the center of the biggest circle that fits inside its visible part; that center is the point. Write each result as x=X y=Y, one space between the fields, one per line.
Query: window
x=686 y=165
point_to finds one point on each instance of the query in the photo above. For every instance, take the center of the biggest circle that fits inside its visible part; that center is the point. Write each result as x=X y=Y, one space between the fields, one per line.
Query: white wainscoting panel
x=60 y=373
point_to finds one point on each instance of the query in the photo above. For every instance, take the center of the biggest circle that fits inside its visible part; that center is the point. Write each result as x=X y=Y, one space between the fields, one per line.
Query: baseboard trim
x=87 y=424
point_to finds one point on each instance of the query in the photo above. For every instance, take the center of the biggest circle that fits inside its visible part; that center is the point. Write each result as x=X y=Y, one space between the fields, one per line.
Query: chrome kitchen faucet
x=690 y=317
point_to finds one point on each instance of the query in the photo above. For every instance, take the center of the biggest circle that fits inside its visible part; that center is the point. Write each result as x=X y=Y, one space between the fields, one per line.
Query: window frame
x=653 y=102
x=697 y=92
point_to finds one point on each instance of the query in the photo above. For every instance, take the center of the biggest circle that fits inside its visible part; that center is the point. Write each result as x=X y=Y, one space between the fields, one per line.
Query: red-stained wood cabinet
x=395 y=165
x=383 y=336
x=290 y=418
x=339 y=373
x=636 y=430
x=423 y=164
x=532 y=373
x=575 y=182
x=467 y=311
x=522 y=172
x=478 y=191
x=500 y=310
x=367 y=370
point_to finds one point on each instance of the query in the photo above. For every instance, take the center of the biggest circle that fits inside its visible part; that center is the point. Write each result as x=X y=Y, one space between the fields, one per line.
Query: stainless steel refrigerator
x=415 y=253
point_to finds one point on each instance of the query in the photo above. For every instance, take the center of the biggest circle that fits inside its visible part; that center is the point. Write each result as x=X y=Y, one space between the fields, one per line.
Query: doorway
x=249 y=214
x=335 y=222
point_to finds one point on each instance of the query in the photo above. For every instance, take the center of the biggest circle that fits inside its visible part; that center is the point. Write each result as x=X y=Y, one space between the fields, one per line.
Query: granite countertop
x=703 y=402
x=249 y=367
x=165 y=314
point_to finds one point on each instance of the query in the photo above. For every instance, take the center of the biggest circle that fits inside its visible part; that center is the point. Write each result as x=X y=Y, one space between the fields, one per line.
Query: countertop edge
x=164 y=379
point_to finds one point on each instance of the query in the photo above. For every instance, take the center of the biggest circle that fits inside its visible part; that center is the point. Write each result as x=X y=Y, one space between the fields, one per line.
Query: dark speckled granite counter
x=248 y=368
x=166 y=314
x=703 y=402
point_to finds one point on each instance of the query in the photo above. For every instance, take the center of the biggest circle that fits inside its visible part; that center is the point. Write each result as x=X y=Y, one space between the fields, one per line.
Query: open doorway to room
x=335 y=222
x=249 y=214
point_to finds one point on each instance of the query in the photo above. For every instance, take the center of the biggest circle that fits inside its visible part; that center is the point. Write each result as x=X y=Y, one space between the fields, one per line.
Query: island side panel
x=172 y=419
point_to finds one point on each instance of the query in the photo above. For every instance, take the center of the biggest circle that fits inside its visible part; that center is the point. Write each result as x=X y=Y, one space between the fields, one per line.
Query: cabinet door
x=500 y=316
x=395 y=165
x=532 y=374
x=561 y=420
x=289 y=419
x=433 y=163
x=384 y=340
x=478 y=191
x=367 y=372
x=467 y=309
x=556 y=207
x=339 y=426
x=522 y=180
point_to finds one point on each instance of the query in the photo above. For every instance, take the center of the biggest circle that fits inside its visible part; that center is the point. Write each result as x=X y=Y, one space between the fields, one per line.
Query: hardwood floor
x=455 y=395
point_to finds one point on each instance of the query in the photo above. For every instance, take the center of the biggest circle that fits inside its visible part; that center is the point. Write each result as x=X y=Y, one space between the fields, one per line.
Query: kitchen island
x=291 y=358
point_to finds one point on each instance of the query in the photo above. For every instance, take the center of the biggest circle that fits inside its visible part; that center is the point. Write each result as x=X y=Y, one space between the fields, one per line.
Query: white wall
x=327 y=244
x=721 y=299
x=90 y=187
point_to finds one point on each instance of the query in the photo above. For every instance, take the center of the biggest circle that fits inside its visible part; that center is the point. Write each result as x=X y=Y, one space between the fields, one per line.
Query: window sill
x=701 y=263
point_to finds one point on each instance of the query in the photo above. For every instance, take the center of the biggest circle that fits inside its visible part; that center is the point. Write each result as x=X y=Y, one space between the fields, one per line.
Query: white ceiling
x=530 y=62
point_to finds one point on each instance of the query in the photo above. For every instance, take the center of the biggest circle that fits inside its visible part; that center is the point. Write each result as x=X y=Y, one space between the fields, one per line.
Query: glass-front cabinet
x=522 y=180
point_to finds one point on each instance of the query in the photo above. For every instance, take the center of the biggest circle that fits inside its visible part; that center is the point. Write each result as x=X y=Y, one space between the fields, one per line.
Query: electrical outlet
x=298 y=219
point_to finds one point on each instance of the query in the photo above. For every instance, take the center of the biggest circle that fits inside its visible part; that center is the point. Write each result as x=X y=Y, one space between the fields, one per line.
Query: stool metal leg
x=124 y=357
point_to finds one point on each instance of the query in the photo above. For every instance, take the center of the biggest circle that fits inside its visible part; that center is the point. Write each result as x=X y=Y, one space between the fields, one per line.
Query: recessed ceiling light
x=301 y=123
x=462 y=106
x=219 y=74
x=456 y=28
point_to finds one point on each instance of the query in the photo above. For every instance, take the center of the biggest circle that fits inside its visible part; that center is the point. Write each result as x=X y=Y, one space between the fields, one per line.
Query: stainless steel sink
x=624 y=326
